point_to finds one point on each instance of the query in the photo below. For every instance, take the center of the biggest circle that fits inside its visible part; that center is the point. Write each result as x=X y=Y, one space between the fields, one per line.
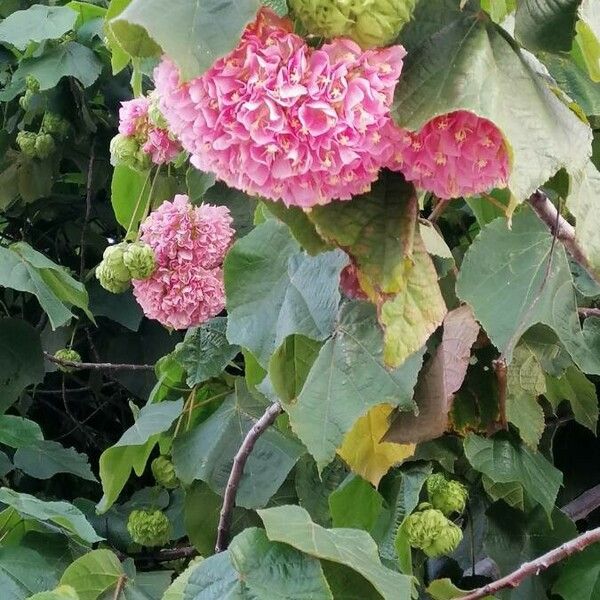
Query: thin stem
x=99 y=366
x=589 y=312
x=237 y=470
x=583 y=505
x=535 y=567
x=88 y=208
x=120 y=585
x=440 y=207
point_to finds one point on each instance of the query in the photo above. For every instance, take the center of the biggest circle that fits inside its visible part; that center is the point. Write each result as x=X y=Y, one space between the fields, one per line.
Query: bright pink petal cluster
x=284 y=121
x=457 y=154
x=156 y=142
x=189 y=244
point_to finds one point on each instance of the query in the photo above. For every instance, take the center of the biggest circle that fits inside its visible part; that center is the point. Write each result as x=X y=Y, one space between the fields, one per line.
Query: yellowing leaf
x=363 y=450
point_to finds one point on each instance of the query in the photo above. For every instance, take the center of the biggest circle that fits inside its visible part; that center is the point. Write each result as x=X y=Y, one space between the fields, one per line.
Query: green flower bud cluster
x=432 y=532
x=155 y=115
x=36 y=145
x=54 y=124
x=164 y=473
x=370 y=23
x=446 y=495
x=32 y=87
x=128 y=151
x=123 y=262
x=68 y=355
x=149 y=527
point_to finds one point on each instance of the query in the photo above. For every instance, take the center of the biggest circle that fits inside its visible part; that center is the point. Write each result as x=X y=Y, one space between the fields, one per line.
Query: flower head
x=189 y=245
x=149 y=527
x=457 y=154
x=281 y=120
x=449 y=496
x=139 y=259
x=430 y=531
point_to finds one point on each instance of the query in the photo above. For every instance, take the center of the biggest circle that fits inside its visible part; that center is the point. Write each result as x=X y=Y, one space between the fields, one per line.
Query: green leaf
x=93 y=574
x=133 y=449
x=583 y=189
x=575 y=387
x=205 y=351
x=514 y=538
x=61 y=516
x=193 y=33
x=472 y=64
x=505 y=461
x=290 y=365
x=275 y=290
x=546 y=24
x=129 y=195
x=201 y=525
x=218 y=439
x=274 y=570
x=36 y=24
x=348 y=378
x=439 y=380
x=347 y=584
x=353 y=548
x=525 y=383
x=6 y=465
x=511 y=493
x=22 y=363
x=43 y=459
x=197 y=184
x=63 y=592
x=215 y=579
x=579 y=577
x=356 y=504
x=279 y=6
x=17 y=431
x=536 y=288
x=23 y=268
x=24 y=572
x=68 y=59
x=588 y=37
x=177 y=589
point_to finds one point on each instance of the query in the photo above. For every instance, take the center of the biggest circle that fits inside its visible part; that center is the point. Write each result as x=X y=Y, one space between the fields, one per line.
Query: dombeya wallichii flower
x=55 y=124
x=128 y=151
x=112 y=273
x=44 y=145
x=164 y=472
x=68 y=355
x=149 y=527
x=139 y=259
x=447 y=496
x=430 y=531
x=370 y=23
x=26 y=142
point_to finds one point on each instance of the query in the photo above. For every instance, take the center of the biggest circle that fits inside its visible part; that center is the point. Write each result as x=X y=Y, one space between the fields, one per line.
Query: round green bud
x=164 y=472
x=447 y=496
x=26 y=142
x=32 y=84
x=370 y=23
x=68 y=355
x=139 y=259
x=55 y=124
x=431 y=532
x=112 y=273
x=127 y=151
x=149 y=527
x=25 y=100
x=44 y=145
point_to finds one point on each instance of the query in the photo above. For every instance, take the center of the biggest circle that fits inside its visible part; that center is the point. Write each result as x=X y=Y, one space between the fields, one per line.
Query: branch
x=561 y=228
x=88 y=207
x=583 y=505
x=237 y=470
x=514 y=579
x=589 y=312
x=99 y=366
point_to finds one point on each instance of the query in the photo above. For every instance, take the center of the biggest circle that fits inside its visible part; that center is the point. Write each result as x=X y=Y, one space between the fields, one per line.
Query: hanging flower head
x=281 y=120
x=141 y=141
x=189 y=246
x=457 y=154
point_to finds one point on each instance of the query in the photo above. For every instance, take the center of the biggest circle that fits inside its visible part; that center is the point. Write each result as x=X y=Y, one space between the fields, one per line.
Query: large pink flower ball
x=189 y=244
x=281 y=120
x=457 y=154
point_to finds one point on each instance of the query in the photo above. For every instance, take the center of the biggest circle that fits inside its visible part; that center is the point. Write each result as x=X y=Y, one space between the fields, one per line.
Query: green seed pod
x=149 y=527
x=447 y=496
x=67 y=354
x=164 y=473
x=26 y=142
x=432 y=532
x=370 y=23
x=112 y=273
x=127 y=151
x=139 y=259
x=44 y=145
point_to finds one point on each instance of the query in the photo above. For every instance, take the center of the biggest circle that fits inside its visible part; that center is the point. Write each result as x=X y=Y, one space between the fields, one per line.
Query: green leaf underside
x=93 y=574
x=24 y=572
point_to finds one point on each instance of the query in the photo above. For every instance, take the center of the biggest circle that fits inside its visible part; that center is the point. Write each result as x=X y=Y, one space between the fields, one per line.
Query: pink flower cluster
x=189 y=244
x=134 y=122
x=281 y=120
x=457 y=154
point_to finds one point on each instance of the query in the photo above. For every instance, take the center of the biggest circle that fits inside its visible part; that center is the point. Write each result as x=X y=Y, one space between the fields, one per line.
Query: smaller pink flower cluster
x=282 y=120
x=155 y=141
x=189 y=244
x=456 y=154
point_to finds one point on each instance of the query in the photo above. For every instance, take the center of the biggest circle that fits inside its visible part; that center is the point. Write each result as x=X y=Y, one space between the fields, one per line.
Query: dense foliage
x=298 y=300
